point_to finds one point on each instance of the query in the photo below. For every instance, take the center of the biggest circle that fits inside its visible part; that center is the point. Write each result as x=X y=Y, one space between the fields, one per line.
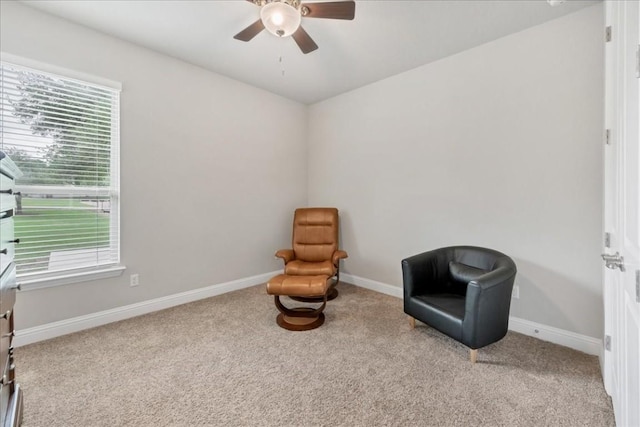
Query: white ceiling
x=385 y=38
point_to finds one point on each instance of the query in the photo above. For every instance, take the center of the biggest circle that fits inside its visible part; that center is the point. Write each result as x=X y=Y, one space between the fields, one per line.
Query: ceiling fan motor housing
x=292 y=3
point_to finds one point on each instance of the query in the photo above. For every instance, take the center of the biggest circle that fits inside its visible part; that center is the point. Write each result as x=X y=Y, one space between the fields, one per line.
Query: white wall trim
x=67 y=278
x=23 y=337
x=75 y=324
x=562 y=337
x=569 y=339
x=383 y=288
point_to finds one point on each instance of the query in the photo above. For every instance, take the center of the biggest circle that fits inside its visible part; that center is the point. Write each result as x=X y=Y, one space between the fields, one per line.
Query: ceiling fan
x=282 y=18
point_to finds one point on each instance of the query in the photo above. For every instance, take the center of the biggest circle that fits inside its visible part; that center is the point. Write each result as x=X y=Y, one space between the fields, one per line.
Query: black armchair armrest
x=421 y=272
x=487 y=306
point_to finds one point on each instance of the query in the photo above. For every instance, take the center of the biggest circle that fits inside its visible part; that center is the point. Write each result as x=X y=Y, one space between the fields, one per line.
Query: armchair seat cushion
x=303 y=268
x=442 y=311
x=452 y=304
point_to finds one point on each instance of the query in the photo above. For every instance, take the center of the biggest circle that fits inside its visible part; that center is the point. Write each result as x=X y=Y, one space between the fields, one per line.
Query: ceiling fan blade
x=250 y=32
x=304 y=42
x=331 y=10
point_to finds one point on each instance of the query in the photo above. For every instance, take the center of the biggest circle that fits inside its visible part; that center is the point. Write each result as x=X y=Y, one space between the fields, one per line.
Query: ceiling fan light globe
x=280 y=19
x=277 y=18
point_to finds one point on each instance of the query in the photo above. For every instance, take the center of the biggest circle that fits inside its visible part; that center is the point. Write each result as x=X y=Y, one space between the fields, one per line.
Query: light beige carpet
x=224 y=362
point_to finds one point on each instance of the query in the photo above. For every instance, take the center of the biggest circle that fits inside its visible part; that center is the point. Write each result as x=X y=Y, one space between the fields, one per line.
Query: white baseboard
x=75 y=324
x=383 y=288
x=579 y=342
x=569 y=339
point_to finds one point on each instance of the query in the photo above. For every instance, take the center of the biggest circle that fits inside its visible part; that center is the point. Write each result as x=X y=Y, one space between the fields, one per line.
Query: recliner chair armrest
x=338 y=255
x=286 y=255
x=427 y=268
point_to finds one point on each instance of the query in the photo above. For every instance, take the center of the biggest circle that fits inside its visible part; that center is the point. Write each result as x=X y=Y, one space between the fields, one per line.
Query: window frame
x=40 y=280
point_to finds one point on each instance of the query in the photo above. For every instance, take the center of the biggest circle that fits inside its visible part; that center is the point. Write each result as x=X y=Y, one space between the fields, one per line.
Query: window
x=63 y=134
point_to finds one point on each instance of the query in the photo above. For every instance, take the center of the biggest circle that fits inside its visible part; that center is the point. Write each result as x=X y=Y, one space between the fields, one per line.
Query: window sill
x=31 y=284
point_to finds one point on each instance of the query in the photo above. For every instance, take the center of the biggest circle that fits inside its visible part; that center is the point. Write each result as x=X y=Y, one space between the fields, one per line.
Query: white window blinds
x=64 y=135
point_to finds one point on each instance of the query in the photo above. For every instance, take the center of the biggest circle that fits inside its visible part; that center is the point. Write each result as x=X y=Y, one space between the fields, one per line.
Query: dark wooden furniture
x=10 y=392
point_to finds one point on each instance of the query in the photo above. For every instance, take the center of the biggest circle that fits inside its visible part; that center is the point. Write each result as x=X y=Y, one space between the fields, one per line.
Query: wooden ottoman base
x=300 y=318
x=299 y=323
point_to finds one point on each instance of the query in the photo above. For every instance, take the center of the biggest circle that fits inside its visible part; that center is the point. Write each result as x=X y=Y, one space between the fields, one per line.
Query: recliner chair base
x=300 y=318
x=291 y=323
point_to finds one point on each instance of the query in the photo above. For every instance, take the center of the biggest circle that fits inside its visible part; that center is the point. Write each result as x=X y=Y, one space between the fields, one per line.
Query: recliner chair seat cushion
x=302 y=268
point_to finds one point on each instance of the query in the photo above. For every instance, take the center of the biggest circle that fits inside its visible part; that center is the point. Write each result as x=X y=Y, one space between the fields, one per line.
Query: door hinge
x=607 y=136
x=607 y=240
x=607 y=33
x=637 y=285
x=607 y=342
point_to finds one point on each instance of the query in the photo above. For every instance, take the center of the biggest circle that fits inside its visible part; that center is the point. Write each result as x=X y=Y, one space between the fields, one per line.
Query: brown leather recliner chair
x=315 y=246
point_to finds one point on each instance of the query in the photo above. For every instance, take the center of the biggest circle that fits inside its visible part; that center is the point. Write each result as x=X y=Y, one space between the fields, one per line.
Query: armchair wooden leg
x=473 y=355
x=412 y=322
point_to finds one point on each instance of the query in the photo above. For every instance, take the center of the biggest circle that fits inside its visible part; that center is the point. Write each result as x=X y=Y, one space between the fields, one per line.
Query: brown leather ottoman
x=299 y=318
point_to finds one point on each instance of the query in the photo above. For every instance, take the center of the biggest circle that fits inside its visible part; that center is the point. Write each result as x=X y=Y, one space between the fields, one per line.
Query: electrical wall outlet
x=515 y=293
x=134 y=280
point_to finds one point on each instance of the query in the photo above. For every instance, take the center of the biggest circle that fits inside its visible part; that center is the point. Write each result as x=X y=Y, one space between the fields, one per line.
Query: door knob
x=613 y=261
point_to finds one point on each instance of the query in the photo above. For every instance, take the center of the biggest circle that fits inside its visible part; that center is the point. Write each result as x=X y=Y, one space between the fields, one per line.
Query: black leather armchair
x=462 y=291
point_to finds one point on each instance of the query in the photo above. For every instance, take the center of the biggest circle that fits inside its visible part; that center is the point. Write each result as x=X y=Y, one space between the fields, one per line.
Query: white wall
x=499 y=146
x=209 y=180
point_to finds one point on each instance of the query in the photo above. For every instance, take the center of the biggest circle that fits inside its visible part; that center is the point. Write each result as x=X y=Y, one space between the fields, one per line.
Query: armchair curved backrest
x=463 y=291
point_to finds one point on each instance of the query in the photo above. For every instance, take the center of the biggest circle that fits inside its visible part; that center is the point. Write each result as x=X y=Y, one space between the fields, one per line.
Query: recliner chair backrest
x=315 y=233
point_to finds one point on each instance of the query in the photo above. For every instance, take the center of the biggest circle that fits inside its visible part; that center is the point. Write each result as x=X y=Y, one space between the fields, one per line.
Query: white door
x=622 y=212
